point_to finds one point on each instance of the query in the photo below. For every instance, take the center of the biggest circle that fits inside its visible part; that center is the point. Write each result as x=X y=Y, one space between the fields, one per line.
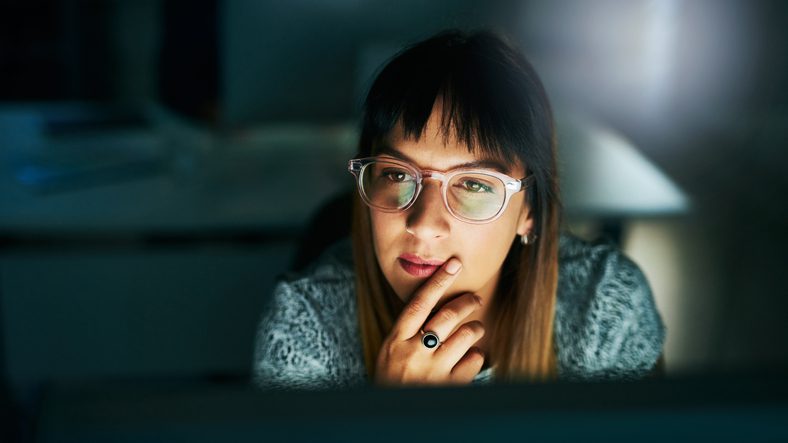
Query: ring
x=430 y=340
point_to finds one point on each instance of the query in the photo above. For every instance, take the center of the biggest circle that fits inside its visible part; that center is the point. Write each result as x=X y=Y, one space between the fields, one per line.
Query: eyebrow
x=486 y=163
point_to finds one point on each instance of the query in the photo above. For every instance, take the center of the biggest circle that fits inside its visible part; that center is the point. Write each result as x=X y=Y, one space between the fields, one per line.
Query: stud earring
x=528 y=239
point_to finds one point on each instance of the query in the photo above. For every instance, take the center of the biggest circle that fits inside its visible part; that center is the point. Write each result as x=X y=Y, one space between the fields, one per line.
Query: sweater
x=606 y=323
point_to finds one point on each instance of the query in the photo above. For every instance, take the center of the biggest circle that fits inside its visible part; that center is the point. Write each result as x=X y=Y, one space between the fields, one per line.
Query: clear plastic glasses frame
x=511 y=185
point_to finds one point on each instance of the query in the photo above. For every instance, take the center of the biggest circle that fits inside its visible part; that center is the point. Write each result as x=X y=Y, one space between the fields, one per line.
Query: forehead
x=440 y=151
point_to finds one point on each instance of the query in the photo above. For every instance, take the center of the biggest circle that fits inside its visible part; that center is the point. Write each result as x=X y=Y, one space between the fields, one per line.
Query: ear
x=525 y=221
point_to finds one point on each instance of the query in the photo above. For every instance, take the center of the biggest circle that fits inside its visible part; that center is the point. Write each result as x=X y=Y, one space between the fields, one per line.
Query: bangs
x=484 y=103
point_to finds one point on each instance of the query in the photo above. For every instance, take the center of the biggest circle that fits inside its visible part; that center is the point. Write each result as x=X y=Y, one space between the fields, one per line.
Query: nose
x=428 y=218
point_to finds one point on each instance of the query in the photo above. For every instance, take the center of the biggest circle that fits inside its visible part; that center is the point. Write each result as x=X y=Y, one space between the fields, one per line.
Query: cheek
x=386 y=228
x=387 y=232
x=484 y=250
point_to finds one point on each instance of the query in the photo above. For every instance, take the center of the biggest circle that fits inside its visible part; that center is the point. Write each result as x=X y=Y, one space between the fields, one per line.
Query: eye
x=397 y=176
x=476 y=186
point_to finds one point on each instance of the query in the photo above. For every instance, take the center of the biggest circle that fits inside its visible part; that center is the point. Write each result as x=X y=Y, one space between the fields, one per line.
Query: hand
x=404 y=359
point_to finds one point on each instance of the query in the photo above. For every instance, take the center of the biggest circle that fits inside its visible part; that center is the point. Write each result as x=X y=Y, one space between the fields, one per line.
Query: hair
x=494 y=103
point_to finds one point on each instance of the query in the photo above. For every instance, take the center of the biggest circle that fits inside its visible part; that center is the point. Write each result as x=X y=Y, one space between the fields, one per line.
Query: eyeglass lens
x=391 y=186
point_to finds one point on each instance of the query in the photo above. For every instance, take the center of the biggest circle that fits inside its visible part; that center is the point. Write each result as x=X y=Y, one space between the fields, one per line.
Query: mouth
x=418 y=267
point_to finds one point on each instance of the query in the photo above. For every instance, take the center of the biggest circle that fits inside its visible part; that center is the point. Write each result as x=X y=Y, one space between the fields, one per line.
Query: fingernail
x=453 y=266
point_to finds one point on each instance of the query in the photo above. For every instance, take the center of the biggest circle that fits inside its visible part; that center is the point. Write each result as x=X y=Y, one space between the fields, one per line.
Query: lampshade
x=604 y=175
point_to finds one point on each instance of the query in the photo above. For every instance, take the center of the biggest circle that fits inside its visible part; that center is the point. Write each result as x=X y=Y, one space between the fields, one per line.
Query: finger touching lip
x=417 y=269
x=413 y=258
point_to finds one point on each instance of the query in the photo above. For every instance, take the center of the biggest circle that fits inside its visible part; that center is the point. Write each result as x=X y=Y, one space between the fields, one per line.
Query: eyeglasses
x=470 y=195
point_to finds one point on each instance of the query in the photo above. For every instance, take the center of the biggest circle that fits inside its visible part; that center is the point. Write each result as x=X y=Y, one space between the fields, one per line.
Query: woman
x=459 y=272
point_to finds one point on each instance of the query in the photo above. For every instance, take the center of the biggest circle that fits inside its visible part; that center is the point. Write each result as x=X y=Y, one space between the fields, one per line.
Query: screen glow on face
x=432 y=197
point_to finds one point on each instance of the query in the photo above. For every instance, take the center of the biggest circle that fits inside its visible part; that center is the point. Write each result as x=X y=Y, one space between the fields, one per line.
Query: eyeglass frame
x=511 y=185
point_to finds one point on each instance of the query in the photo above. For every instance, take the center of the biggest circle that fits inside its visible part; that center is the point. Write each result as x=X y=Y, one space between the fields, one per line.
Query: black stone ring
x=430 y=340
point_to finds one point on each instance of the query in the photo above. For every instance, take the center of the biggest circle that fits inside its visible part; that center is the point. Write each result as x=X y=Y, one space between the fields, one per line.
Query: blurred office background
x=160 y=161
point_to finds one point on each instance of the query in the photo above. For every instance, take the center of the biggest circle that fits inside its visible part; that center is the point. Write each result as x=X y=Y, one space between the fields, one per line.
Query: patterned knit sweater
x=606 y=323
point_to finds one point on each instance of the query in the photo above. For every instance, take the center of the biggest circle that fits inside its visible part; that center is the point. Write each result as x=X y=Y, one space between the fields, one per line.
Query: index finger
x=418 y=309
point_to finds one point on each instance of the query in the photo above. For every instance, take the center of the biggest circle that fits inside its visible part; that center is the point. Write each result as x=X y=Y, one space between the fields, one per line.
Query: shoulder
x=307 y=334
x=607 y=324
x=595 y=268
x=323 y=292
x=328 y=282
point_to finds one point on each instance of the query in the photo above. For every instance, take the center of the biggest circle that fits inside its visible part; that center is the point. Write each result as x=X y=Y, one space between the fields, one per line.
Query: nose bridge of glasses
x=420 y=199
x=435 y=175
x=423 y=188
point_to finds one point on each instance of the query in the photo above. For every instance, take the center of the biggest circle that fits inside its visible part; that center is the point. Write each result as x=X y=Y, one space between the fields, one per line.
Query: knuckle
x=473 y=299
x=416 y=306
x=471 y=330
x=466 y=332
x=477 y=326
x=439 y=283
x=464 y=302
x=448 y=315
x=470 y=304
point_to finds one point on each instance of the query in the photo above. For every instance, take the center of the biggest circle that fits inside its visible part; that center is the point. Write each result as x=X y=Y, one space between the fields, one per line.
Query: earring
x=528 y=239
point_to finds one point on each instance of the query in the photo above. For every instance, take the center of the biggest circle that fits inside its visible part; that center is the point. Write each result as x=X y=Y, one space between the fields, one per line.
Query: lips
x=413 y=258
x=417 y=266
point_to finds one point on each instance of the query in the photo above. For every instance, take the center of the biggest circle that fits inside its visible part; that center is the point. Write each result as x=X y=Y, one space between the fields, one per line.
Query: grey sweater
x=606 y=323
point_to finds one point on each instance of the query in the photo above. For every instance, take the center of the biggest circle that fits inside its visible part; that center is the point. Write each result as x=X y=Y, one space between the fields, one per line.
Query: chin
x=404 y=291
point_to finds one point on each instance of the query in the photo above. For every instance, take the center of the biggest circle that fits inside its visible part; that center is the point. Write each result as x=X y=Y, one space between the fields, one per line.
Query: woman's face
x=428 y=231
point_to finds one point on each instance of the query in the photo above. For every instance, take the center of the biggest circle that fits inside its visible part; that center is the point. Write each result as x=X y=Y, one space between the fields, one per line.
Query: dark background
x=160 y=161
